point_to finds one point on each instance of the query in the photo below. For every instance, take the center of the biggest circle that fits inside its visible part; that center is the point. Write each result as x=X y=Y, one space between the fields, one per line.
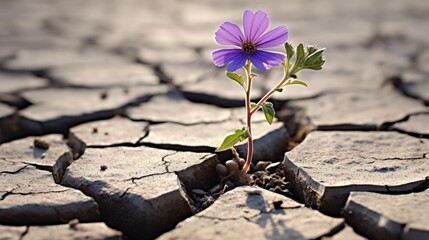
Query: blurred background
x=59 y=59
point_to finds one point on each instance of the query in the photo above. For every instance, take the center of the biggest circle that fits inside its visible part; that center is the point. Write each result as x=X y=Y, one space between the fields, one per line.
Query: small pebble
x=40 y=143
x=94 y=130
x=259 y=182
x=73 y=223
x=259 y=174
x=199 y=192
x=103 y=167
x=103 y=95
x=240 y=161
x=231 y=165
x=272 y=167
x=261 y=165
x=270 y=184
x=221 y=170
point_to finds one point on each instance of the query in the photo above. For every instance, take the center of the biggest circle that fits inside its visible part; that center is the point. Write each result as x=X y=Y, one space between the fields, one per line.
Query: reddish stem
x=248 y=120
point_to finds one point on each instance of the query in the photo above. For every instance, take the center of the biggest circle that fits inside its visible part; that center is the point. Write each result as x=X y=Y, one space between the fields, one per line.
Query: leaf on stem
x=269 y=112
x=315 y=60
x=300 y=55
x=234 y=76
x=295 y=81
x=289 y=50
x=238 y=136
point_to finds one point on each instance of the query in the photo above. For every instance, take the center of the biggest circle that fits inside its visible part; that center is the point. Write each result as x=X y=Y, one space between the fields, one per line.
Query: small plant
x=249 y=50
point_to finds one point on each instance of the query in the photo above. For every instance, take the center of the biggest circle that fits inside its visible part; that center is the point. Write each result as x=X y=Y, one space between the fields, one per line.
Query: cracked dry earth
x=110 y=114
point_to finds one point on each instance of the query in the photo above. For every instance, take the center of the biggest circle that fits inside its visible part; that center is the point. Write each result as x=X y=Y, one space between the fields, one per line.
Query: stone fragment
x=31 y=197
x=48 y=58
x=327 y=166
x=112 y=131
x=81 y=102
x=417 y=125
x=76 y=145
x=176 y=109
x=389 y=216
x=358 y=108
x=11 y=83
x=24 y=151
x=61 y=165
x=104 y=75
x=96 y=231
x=138 y=192
x=242 y=214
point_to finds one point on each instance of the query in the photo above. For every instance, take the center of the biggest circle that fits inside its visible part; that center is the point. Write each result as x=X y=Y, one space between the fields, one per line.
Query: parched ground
x=110 y=112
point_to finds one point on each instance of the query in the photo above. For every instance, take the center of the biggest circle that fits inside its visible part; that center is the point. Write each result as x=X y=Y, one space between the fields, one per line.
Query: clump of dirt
x=265 y=174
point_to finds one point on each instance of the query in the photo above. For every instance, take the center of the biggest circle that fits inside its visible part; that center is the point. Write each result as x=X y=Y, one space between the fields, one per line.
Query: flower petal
x=237 y=63
x=266 y=59
x=273 y=38
x=254 y=24
x=221 y=57
x=229 y=34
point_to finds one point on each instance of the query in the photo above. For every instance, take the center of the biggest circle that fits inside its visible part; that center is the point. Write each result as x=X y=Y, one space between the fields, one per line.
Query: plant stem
x=286 y=76
x=246 y=166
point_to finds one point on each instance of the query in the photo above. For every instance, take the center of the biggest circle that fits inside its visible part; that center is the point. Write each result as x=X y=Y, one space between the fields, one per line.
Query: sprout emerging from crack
x=248 y=50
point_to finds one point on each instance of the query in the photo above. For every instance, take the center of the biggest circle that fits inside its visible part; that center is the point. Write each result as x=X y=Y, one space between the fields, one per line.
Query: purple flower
x=250 y=44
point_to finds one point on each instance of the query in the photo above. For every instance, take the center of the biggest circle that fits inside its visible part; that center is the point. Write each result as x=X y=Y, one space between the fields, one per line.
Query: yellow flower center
x=248 y=47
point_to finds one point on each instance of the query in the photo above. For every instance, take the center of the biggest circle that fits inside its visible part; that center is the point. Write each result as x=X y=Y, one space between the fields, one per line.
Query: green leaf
x=279 y=90
x=234 y=76
x=252 y=75
x=300 y=55
x=315 y=67
x=269 y=112
x=289 y=50
x=315 y=59
x=295 y=81
x=238 y=136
